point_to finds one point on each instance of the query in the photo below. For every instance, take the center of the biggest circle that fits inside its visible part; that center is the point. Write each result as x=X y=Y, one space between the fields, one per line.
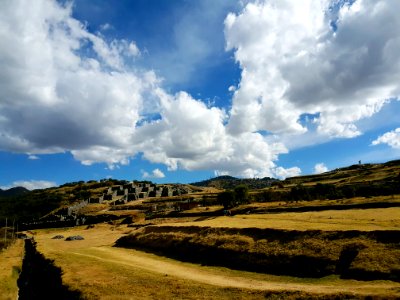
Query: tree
x=348 y=191
x=299 y=192
x=233 y=198
x=327 y=191
x=241 y=194
x=227 y=199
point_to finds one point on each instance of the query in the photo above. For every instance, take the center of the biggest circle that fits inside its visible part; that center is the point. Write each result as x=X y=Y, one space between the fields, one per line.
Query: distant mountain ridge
x=229 y=182
x=15 y=191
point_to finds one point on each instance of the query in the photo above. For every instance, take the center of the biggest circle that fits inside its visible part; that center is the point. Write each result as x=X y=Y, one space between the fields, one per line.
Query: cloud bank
x=54 y=98
x=64 y=88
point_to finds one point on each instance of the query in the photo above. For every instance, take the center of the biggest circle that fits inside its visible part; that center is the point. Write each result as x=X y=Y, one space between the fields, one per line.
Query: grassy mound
x=313 y=253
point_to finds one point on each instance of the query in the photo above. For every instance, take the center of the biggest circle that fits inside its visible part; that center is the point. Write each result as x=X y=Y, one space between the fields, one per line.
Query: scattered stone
x=74 y=238
x=58 y=237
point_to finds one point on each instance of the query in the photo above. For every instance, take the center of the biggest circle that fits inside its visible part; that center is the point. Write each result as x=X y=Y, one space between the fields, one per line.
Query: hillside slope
x=353 y=174
x=229 y=182
x=15 y=191
x=363 y=180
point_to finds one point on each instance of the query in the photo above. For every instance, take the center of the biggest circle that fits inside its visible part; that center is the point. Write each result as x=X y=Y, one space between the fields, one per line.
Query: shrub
x=227 y=199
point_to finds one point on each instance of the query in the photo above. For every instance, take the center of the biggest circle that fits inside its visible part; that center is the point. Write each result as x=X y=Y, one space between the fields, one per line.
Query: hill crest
x=229 y=182
x=15 y=191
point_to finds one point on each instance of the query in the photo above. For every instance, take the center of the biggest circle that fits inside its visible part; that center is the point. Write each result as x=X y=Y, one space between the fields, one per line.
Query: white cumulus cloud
x=55 y=99
x=66 y=89
x=391 y=138
x=156 y=173
x=283 y=173
x=192 y=136
x=329 y=58
x=320 y=168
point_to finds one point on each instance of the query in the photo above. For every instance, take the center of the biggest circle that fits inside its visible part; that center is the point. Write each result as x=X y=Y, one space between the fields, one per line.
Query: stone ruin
x=73 y=209
x=138 y=190
x=120 y=194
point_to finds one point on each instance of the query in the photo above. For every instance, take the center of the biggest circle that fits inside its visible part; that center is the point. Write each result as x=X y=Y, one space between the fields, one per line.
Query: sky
x=182 y=91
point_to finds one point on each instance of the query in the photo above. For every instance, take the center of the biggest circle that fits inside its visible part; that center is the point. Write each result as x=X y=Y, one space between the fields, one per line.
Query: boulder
x=74 y=238
x=58 y=237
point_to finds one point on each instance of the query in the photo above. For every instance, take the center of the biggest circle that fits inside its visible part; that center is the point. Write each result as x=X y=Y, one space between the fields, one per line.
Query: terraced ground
x=342 y=248
x=101 y=271
x=352 y=219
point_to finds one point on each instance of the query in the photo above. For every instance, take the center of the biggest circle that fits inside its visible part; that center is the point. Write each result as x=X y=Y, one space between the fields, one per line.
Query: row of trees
x=29 y=206
x=329 y=191
x=240 y=194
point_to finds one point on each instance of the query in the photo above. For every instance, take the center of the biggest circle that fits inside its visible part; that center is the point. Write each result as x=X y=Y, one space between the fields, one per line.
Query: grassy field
x=10 y=266
x=101 y=271
x=354 y=219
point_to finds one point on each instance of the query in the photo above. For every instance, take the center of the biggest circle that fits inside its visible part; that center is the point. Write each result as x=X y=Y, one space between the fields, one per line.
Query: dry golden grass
x=262 y=245
x=101 y=275
x=359 y=174
x=93 y=208
x=354 y=219
x=259 y=207
x=307 y=254
x=10 y=266
x=202 y=209
x=101 y=271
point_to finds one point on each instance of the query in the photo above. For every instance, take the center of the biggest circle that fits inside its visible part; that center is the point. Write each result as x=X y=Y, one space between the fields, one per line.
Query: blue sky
x=181 y=91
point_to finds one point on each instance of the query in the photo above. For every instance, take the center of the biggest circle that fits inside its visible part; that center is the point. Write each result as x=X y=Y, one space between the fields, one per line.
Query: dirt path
x=236 y=279
x=94 y=265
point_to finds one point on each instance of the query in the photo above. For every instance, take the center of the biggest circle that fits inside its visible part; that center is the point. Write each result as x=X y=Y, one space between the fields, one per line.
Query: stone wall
x=137 y=190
